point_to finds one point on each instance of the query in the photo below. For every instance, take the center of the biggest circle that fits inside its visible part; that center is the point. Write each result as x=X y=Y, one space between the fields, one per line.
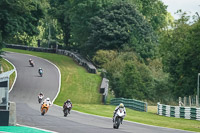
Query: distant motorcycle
x=40 y=98
x=44 y=108
x=40 y=72
x=31 y=63
x=118 y=118
x=67 y=108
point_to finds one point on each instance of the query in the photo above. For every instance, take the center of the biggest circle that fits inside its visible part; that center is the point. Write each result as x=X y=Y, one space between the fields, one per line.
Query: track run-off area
x=29 y=84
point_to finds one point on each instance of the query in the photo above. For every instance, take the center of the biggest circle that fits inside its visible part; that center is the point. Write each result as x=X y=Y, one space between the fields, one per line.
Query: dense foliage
x=130 y=39
x=19 y=18
x=119 y=25
x=180 y=49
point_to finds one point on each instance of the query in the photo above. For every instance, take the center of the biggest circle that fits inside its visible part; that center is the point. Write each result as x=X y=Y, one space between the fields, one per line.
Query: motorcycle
x=40 y=98
x=31 y=63
x=44 y=108
x=67 y=108
x=119 y=116
x=40 y=73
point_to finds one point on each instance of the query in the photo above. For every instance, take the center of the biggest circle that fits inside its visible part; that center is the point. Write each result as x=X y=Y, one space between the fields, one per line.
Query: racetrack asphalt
x=29 y=84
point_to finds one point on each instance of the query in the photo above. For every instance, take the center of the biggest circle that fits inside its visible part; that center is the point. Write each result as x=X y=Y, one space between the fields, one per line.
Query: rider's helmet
x=30 y=59
x=121 y=105
x=68 y=100
x=41 y=93
x=48 y=99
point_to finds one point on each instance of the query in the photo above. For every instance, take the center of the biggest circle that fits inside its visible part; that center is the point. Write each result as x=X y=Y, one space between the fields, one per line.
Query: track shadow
x=37 y=76
x=29 y=66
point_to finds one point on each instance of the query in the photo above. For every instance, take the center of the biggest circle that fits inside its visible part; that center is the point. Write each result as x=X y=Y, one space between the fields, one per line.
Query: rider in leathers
x=121 y=105
x=47 y=101
x=68 y=101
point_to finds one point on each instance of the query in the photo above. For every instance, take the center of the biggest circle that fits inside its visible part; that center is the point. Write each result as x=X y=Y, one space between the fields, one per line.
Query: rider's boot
x=122 y=120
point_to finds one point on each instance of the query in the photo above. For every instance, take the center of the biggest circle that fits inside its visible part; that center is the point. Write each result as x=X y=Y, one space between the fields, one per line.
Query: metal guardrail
x=80 y=60
x=178 y=111
x=130 y=103
x=15 y=46
x=77 y=57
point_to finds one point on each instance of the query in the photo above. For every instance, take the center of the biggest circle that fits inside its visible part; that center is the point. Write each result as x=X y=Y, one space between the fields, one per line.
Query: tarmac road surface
x=29 y=84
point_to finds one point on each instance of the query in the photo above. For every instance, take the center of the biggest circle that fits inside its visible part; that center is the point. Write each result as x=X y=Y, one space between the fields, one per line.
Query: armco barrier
x=80 y=60
x=14 y=46
x=130 y=103
x=77 y=57
x=179 y=111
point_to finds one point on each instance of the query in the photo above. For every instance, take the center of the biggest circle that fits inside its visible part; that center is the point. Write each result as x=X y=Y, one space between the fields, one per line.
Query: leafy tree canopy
x=118 y=25
x=19 y=17
x=180 y=49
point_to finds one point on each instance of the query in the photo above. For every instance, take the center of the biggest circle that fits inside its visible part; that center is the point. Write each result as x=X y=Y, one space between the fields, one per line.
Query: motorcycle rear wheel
x=43 y=112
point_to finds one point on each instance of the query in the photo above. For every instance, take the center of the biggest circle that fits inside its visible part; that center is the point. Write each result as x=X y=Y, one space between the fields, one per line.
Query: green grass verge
x=150 y=117
x=76 y=83
x=70 y=69
x=7 y=67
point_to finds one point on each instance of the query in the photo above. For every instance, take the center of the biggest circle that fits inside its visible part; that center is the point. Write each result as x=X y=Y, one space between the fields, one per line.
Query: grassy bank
x=75 y=78
x=6 y=66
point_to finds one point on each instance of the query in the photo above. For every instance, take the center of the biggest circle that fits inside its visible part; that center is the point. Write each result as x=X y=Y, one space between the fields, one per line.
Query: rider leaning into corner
x=30 y=60
x=47 y=101
x=68 y=101
x=40 y=69
x=41 y=94
x=121 y=105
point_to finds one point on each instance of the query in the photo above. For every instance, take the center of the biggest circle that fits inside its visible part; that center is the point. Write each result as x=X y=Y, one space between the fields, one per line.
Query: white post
x=185 y=101
x=190 y=101
x=198 y=90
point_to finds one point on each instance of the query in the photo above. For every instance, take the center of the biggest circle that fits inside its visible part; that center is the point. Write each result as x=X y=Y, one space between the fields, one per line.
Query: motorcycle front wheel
x=118 y=123
x=65 y=112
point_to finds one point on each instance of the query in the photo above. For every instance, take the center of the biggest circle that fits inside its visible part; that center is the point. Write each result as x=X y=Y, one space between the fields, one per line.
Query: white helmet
x=48 y=99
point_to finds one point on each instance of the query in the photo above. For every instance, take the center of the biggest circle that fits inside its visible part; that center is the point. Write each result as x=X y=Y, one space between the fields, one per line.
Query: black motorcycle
x=67 y=108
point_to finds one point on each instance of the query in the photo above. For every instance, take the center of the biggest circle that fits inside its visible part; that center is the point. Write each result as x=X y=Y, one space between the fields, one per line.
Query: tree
x=130 y=78
x=118 y=25
x=19 y=17
x=60 y=10
x=104 y=56
x=155 y=12
x=180 y=50
x=79 y=18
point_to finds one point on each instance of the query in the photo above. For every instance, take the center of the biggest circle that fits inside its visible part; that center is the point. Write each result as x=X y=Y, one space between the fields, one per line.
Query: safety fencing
x=77 y=57
x=178 y=111
x=130 y=103
x=22 y=47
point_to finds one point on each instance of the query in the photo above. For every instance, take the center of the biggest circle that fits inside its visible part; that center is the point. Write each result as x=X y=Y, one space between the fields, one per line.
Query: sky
x=190 y=6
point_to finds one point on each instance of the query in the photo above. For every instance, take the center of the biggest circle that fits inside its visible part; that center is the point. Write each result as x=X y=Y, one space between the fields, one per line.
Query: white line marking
x=15 y=74
x=37 y=128
x=59 y=84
